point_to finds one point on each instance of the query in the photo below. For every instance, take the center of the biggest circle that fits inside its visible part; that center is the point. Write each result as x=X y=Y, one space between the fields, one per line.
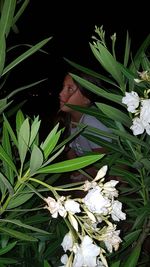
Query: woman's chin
x=65 y=108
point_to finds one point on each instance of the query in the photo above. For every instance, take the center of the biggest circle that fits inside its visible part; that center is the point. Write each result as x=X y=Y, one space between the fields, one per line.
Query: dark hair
x=90 y=95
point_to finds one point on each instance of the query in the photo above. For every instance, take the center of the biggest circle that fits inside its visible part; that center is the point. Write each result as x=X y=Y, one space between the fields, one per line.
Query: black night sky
x=71 y=25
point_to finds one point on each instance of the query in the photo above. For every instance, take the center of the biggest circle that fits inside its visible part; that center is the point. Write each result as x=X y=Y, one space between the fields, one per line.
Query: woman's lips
x=62 y=104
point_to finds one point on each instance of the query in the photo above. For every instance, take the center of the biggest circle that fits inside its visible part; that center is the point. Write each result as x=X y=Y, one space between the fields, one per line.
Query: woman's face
x=70 y=94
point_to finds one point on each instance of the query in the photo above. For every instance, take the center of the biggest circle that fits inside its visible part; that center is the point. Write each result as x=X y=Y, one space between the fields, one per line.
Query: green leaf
x=7 y=248
x=132 y=259
x=145 y=162
x=19 y=120
x=3 y=103
x=2 y=54
x=23 y=140
x=109 y=63
x=51 y=141
x=7 y=17
x=18 y=200
x=5 y=106
x=4 y=156
x=139 y=222
x=46 y=264
x=115 y=114
x=103 y=143
x=90 y=72
x=25 y=55
x=115 y=264
x=34 y=130
x=36 y=159
x=68 y=139
x=20 y=11
x=130 y=238
x=10 y=130
x=7 y=261
x=97 y=90
x=7 y=147
x=7 y=184
x=71 y=165
x=127 y=136
x=17 y=234
x=24 y=88
x=54 y=156
x=26 y=226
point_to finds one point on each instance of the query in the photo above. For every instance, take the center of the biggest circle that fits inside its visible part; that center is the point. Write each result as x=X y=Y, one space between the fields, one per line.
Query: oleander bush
x=125 y=110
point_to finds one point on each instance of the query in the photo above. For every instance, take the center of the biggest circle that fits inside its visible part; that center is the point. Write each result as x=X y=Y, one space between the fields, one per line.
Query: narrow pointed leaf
x=19 y=200
x=19 y=120
x=51 y=141
x=34 y=130
x=7 y=184
x=114 y=114
x=132 y=259
x=71 y=165
x=97 y=90
x=53 y=157
x=10 y=130
x=7 y=17
x=20 y=11
x=17 y=234
x=36 y=159
x=7 y=147
x=23 y=225
x=25 y=55
x=2 y=54
x=108 y=62
x=23 y=140
x=4 y=156
x=9 y=247
x=14 y=92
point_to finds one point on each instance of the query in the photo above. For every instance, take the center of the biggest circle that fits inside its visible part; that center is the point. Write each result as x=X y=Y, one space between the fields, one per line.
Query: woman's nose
x=62 y=95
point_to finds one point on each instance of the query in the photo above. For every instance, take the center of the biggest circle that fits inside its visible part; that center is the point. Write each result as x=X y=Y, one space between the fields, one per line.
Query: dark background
x=71 y=25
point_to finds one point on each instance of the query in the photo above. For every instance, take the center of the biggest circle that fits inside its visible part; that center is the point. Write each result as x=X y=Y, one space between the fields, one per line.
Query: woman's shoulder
x=93 y=121
x=88 y=118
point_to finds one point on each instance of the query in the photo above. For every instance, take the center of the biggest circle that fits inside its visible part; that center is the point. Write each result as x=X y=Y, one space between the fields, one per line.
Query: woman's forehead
x=68 y=80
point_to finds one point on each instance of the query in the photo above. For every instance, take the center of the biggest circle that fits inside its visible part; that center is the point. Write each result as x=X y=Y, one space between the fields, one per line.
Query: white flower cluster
x=140 y=107
x=82 y=245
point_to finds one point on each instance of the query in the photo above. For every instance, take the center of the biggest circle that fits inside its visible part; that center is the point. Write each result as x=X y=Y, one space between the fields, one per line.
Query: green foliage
x=128 y=155
x=26 y=169
x=10 y=12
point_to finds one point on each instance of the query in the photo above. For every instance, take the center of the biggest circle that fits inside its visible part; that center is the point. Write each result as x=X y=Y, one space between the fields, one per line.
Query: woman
x=74 y=94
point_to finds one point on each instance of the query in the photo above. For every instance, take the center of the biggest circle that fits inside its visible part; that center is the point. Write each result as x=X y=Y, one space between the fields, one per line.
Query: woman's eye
x=70 y=90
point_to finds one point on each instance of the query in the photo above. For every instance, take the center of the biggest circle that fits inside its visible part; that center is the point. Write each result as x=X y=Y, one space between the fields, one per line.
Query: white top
x=81 y=144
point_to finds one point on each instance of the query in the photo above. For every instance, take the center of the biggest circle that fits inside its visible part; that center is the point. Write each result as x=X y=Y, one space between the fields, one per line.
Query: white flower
x=99 y=263
x=137 y=126
x=138 y=80
x=86 y=254
x=101 y=173
x=67 y=242
x=145 y=112
x=116 y=212
x=147 y=128
x=95 y=201
x=72 y=206
x=91 y=216
x=111 y=238
x=109 y=189
x=64 y=260
x=131 y=100
x=145 y=75
x=55 y=207
x=88 y=185
x=73 y=221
